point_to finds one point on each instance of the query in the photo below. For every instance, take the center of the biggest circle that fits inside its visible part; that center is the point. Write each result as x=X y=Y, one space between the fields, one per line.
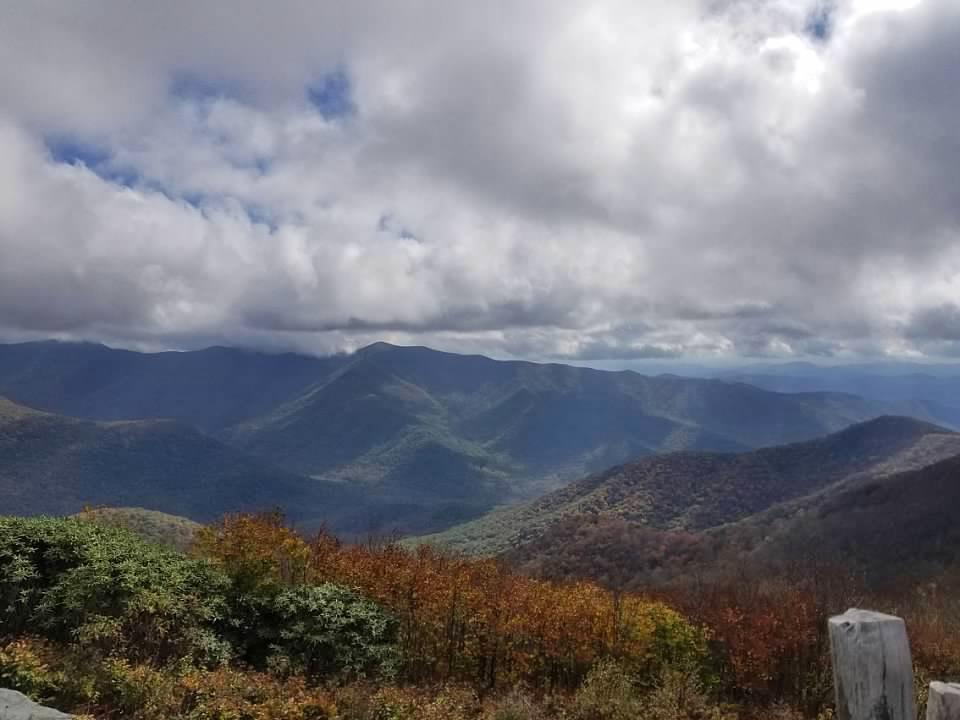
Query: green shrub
x=326 y=630
x=108 y=591
x=104 y=588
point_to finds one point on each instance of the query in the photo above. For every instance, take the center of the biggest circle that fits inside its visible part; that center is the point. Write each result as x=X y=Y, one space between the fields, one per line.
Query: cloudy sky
x=596 y=180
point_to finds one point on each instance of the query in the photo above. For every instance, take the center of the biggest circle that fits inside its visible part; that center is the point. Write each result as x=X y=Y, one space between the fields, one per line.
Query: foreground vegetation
x=258 y=622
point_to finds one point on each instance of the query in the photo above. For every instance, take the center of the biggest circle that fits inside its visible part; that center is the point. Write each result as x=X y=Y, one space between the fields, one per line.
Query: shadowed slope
x=51 y=464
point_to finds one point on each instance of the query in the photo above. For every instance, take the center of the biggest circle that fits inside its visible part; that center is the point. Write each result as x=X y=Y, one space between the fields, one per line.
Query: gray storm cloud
x=588 y=180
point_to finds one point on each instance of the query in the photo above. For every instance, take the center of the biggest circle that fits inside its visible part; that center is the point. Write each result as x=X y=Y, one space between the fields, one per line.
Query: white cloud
x=545 y=179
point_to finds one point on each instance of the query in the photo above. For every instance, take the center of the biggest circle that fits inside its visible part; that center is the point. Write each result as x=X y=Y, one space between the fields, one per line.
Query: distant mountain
x=896 y=528
x=886 y=368
x=928 y=392
x=696 y=490
x=50 y=464
x=528 y=425
x=429 y=439
x=211 y=389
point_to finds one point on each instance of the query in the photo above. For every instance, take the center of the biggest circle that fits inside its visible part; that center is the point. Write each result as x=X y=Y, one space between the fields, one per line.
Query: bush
x=30 y=667
x=516 y=706
x=655 y=638
x=447 y=702
x=68 y=678
x=607 y=693
x=109 y=592
x=327 y=630
x=680 y=696
x=106 y=589
x=258 y=551
x=231 y=695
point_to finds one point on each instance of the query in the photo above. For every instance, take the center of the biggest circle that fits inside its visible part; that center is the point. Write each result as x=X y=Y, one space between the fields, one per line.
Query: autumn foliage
x=467 y=620
x=263 y=622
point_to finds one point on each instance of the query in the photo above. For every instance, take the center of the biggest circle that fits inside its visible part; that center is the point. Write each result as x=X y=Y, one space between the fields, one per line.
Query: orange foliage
x=465 y=619
x=256 y=548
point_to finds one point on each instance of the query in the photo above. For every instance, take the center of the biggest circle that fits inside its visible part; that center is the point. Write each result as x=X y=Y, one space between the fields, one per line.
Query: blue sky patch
x=260 y=215
x=194 y=199
x=205 y=202
x=94 y=157
x=819 y=24
x=332 y=95
x=74 y=152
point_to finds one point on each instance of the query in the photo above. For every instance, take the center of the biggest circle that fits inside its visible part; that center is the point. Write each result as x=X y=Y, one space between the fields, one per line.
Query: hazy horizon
x=680 y=366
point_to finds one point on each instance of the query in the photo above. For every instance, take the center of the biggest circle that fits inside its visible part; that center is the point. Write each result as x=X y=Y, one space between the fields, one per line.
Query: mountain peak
x=896 y=424
x=375 y=348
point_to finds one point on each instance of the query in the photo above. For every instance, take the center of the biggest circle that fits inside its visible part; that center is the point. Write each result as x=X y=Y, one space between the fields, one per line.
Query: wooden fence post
x=943 y=702
x=872 y=670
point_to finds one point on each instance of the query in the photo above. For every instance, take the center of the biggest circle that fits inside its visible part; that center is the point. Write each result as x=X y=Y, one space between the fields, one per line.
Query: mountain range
x=694 y=491
x=927 y=391
x=388 y=438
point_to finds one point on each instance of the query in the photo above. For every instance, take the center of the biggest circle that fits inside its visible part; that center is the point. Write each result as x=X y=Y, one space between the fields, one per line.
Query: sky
x=602 y=181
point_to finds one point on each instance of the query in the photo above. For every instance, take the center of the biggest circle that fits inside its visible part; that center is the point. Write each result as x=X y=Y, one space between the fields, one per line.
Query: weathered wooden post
x=943 y=703
x=872 y=670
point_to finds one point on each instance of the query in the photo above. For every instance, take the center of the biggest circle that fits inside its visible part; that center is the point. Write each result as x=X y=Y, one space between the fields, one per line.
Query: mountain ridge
x=438 y=437
x=695 y=490
x=887 y=528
